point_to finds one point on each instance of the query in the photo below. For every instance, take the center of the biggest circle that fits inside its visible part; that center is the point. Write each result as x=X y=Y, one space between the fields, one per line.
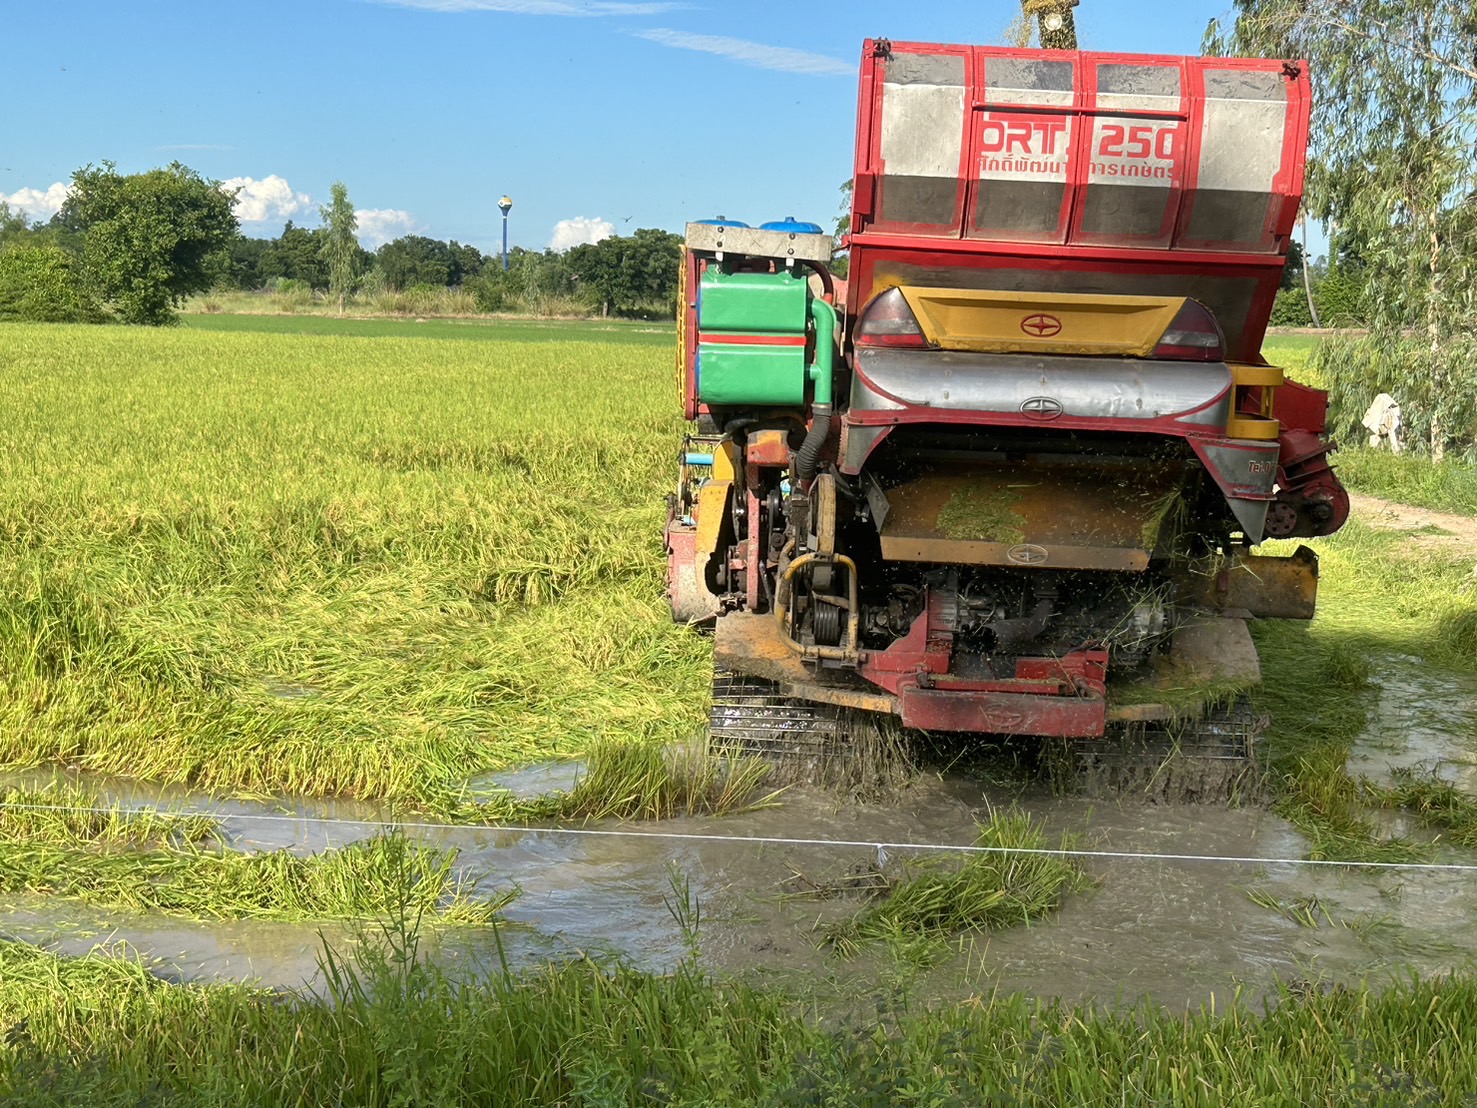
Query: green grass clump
x=61 y=813
x=982 y=512
x=301 y=564
x=646 y=781
x=154 y=861
x=988 y=891
x=1438 y=804
x=395 y=1029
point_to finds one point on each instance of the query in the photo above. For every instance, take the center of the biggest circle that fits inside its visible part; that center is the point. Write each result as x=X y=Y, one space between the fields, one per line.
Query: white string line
x=768 y=840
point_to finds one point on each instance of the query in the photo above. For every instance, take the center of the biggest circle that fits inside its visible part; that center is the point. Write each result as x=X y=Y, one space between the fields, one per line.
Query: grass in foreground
x=153 y=861
x=396 y=1030
x=988 y=891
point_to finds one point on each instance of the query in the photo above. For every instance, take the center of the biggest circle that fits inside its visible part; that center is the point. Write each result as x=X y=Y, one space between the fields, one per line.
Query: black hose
x=808 y=459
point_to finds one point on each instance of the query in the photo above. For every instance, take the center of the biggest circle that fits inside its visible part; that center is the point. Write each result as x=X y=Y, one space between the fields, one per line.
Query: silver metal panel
x=922 y=130
x=925 y=69
x=1046 y=388
x=1153 y=88
x=759 y=244
x=1028 y=81
x=1241 y=147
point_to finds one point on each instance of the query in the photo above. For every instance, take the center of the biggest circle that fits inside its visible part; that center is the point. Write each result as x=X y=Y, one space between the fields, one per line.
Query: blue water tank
x=720 y=222
x=792 y=226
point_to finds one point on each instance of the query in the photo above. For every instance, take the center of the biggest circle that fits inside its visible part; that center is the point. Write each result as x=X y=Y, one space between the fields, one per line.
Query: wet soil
x=1425 y=720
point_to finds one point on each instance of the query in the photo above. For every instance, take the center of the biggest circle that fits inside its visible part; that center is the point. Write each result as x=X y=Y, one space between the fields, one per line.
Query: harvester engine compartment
x=1012 y=473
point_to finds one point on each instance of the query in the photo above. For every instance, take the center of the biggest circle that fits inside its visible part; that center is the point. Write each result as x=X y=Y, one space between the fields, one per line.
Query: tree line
x=133 y=247
x=1392 y=171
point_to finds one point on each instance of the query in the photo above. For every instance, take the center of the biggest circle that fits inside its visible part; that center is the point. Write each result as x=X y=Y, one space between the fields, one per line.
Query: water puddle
x=530 y=782
x=1177 y=933
x=1424 y=720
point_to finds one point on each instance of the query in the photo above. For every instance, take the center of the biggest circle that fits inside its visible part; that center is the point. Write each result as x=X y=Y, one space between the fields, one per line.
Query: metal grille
x=1209 y=759
x=750 y=715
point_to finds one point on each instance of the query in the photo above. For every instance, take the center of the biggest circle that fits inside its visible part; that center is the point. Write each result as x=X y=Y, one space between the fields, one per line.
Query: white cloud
x=38 y=203
x=578 y=231
x=378 y=226
x=268 y=198
x=539 y=7
x=782 y=58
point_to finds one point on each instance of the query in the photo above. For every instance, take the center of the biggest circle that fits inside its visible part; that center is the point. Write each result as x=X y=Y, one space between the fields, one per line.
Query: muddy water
x=1425 y=720
x=1175 y=933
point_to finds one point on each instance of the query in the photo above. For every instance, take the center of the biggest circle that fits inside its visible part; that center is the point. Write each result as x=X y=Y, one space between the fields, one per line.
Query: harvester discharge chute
x=1009 y=479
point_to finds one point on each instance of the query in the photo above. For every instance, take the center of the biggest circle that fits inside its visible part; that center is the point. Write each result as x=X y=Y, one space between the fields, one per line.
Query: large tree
x=296 y=255
x=620 y=274
x=340 y=245
x=147 y=237
x=416 y=260
x=1393 y=169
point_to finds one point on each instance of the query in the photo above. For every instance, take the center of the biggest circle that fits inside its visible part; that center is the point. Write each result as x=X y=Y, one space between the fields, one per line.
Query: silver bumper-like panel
x=1042 y=389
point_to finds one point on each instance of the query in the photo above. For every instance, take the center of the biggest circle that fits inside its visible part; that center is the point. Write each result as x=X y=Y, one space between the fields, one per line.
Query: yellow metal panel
x=712 y=506
x=1242 y=426
x=1266 y=376
x=1263 y=426
x=989 y=321
x=682 y=310
x=726 y=461
x=1091 y=516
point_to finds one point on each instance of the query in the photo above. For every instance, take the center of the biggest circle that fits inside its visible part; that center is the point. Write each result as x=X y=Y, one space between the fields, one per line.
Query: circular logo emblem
x=1041 y=408
x=1041 y=325
x=1001 y=721
x=1027 y=554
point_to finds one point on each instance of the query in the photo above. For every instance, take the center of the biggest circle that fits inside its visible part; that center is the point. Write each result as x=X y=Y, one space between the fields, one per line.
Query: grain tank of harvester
x=1010 y=478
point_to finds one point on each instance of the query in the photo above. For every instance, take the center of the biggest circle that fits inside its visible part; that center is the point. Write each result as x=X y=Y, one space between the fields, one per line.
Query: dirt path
x=1436 y=529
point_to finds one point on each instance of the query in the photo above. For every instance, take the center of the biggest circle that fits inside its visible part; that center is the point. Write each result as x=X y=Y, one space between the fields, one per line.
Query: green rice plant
x=154 y=861
x=61 y=813
x=651 y=781
x=351 y=882
x=1305 y=911
x=317 y=567
x=1436 y=803
x=987 y=891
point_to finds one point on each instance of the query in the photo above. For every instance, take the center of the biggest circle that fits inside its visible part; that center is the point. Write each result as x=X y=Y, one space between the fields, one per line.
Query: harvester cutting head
x=1036 y=447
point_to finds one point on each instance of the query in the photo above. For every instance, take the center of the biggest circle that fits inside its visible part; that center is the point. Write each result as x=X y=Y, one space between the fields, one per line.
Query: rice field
x=333 y=565
x=376 y=559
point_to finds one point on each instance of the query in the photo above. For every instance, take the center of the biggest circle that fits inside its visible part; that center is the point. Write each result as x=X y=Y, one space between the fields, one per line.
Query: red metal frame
x=1063 y=697
x=1066 y=248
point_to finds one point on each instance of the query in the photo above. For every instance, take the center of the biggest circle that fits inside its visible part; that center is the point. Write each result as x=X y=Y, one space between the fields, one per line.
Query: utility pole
x=1054 y=17
x=505 y=205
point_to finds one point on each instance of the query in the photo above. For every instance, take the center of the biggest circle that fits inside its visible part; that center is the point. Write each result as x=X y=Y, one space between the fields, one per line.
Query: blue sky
x=626 y=114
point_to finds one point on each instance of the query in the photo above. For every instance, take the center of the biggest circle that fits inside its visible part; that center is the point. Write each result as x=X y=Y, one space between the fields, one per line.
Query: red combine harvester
x=1014 y=485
